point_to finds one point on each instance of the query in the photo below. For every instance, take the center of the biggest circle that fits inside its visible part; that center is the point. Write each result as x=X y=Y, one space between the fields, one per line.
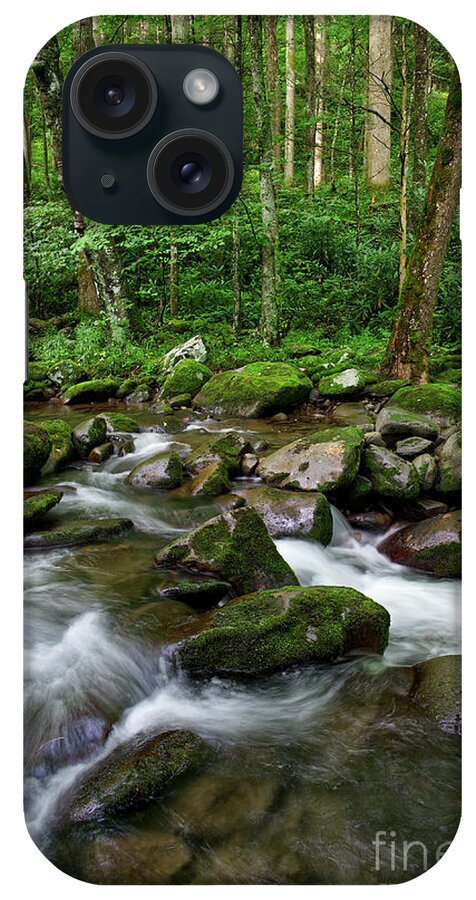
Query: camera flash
x=201 y=86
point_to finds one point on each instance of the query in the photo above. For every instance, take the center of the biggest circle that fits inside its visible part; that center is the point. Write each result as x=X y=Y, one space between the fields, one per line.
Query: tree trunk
x=98 y=35
x=234 y=51
x=106 y=270
x=420 y=121
x=354 y=138
x=181 y=29
x=311 y=95
x=319 y=63
x=173 y=275
x=379 y=101
x=82 y=37
x=46 y=69
x=274 y=86
x=410 y=343
x=270 y=280
x=290 y=93
x=404 y=143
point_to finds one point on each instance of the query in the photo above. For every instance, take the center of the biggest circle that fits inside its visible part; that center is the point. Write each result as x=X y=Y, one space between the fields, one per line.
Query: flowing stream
x=312 y=763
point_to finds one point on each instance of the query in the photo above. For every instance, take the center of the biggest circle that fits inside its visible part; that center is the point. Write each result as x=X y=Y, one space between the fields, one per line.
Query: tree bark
x=404 y=145
x=181 y=29
x=379 y=88
x=46 y=69
x=410 y=342
x=234 y=51
x=82 y=37
x=319 y=62
x=274 y=86
x=270 y=280
x=173 y=275
x=420 y=122
x=290 y=94
x=311 y=98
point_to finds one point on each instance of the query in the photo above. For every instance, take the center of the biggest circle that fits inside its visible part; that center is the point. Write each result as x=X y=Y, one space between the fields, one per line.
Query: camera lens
x=190 y=172
x=113 y=95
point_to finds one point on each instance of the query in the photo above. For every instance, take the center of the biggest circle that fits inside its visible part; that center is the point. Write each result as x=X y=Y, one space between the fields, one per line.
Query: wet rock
x=143 y=858
x=164 y=471
x=62 y=448
x=412 y=446
x=279 y=417
x=135 y=774
x=450 y=465
x=433 y=545
x=350 y=381
x=120 y=422
x=370 y=520
x=88 y=434
x=199 y=594
x=358 y=491
x=353 y=414
x=36 y=450
x=321 y=461
x=385 y=388
x=258 y=389
x=74 y=534
x=227 y=502
x=37 y=503
x=91 y=391
x=394 y=423
x=67 y=372
x=140 y=395
x=101 y=453
x=272 y=630
x=374 y=438
x=192 y=349
x=210 y=481
x=439 y=402
x=425 y=508
x=122 y=443
x=425 y=466
x=227 y=449
x=81 y=737
x=437 y=691
x=186 y=377
x=292 y=513
x=249 y=463
x=390 y=475
x=181 y=401
x=234 y=547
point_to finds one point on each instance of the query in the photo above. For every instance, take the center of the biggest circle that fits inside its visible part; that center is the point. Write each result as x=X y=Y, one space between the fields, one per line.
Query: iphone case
x=242 y=463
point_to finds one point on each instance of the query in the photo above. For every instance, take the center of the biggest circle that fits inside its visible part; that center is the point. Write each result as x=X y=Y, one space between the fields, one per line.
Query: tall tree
x=311 y=99
x=379 y=101
x=274 y=85
x=49 y=82
x=82 y=37
x=410 y=342
x=290 y=96
x=420 y=120
x=270 y=280
x=405 y=113
x=319 y=64
x=181 y=29
x=235 y=55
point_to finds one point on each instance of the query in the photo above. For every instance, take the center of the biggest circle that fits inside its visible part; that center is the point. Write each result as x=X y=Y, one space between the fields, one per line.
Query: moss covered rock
x=344 y=384
x=272 y=630
x=259 y=389
x=425 y=466
x=36 y=450
x=322 y=461
x=120 y=422
x=62 y=448
x=412 y=446
x=91 y=391
x=126 y=387
x=88 y=434
x=437 y=691
x=228 y=448
x=390 y=475
x=211 y=481
x=101 y=453
x=37 y=503
x=67 y=372
x=394 y=423
x=135 y=774
x=187 y=377
x=199 y=594
x=450 y=465
x=194 y=349
x=386 y=388
x=440 y=402
x=311 y=365
x=235 y=547
x=292 y=513
x=163 y=471
x=76 y=533
x=141 y=394
x=433 y=545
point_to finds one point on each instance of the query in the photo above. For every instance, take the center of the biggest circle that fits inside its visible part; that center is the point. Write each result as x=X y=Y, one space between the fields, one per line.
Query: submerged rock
x=91 y=391
x=292 y=513
x=199 y=594
x=36 y=450
x=135 y=774
x=272 y=630
x=62 y=448
x=321 y=461
x=235 y=547
x=433 y=545
x=437 y=691
x=187 y=377
x=350 y=381
x=37 y=503
x=259 y=389
x=391 y=476
x=164 y=471
x=450 y=465
x=88 y=434
x=439 y=402
x=81 y=532
x=353 y=414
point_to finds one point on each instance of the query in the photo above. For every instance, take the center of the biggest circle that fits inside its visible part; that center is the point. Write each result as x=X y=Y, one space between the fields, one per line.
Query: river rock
x=88 y=434
x=126 y=387
x=390 y=475
x=321 y=461
x=394 y=423
x=122 y=442
x=62 y=448
x=370 y=520
x=140 y=395
x=426 y=508
x=292 y=513
x=450 y=465
x=259 y=389
x=67 y=372
x=37 y=503
x=36 y=450
x=180 y=401
x=433 y=545
x=234 y=547
x=76 y=533
x=91 y=391
x=412 y=446
x=228 y=449
x=350 y=381
x=385 y=388
x=120 y=422
x=199 y=594
x=437 y=691
x=272 y=630
x=425 y=466
x=249 y=464
x=193 y=349
x=135 y=774
x=212 y=481
x=186 y=377
x=353 y=414
x=163 y=471
x=375 y=438
x=101 y=453
x=439 y=402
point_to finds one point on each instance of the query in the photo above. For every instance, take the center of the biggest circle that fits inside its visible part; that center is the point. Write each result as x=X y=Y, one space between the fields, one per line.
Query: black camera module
x=113 y=95
x=190 y=172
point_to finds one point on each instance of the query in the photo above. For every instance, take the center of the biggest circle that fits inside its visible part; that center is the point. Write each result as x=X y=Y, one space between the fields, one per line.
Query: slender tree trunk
x=410 y=342
x=98 y=35
x=44 y=142
x=274 y=86
x=420 y=122
x=379 y=87
x=82 y=37
x=354 y=138
x=234 y=51
x=173 y=275
x=311 y=95
x=404 y=141
x=334 y=135
x=181 y=29
x=270 y=281
x=106 y=270
x=319 y=63
x=290 y=94
x=46 y=70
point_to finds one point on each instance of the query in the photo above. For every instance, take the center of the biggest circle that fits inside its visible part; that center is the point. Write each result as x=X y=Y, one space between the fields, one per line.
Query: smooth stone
x=249 y=463
x=101 y=453
x=437 y=691
x=449 y=465
x=199 y=594
x=88 y=434
x=433 y=545
x=322 y=461
x=412 y=446
x=292 y=513
x=395 y=423
x=390 y=475
x=425 y=466
x=81 y=532
x=163 y=471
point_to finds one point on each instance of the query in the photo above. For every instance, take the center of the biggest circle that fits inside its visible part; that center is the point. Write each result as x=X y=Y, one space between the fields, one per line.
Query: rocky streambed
x=243 y=633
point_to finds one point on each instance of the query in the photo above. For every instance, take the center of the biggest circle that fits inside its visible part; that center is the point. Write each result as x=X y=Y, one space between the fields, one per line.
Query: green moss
x=36 y=449
x=87 y=391
x=187 y=377
x=255 y=390
x=36 y=505
x=88 y=434
x=126 y=387
x=62 y=448
x=82 y=532
x=390 y=475
x=121 y=422
x=37 y=371
x=386 y=388
x=358 y=490
x=440 y=401
x=174 y=469
x=211 y=481
x=345 y=383
x=275 y=629
x=322 y=526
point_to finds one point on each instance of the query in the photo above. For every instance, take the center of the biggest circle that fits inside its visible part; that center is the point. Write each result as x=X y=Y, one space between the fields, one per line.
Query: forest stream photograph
x=242 y=478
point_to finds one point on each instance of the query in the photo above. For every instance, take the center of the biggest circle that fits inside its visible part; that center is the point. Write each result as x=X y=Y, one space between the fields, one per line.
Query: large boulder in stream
x=437 y=691
x=135 y=774
x=390 y=475
x=272 y=630
x=439 y=402
x=163 y=471
x=88 y=434
x=36 y=450
x=72 y=534
x=432 y=546
x=62 y=448
x=292 y=513
x=259 y=389
x=187 y=377
x=214 y=463
x=91 y=391
x=234 y=547
x=321 y=461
